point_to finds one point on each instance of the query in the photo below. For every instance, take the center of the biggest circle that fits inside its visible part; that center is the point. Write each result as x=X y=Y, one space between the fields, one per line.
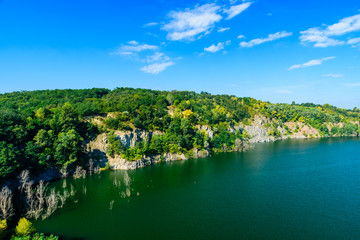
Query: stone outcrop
x=123 y=164
x=129 y=139
x=97 y=150
x=260 y=127
x=258 y=131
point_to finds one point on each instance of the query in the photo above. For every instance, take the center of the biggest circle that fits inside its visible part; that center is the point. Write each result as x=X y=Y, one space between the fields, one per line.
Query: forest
x=49 y=128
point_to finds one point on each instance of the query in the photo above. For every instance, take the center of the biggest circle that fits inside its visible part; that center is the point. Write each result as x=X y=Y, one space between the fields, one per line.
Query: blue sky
x=273 y=50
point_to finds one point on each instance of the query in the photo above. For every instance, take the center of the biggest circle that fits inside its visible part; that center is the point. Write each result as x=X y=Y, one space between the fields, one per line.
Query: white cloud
x=345 y=25
x=235 y=10
x=353 y=41
x=223 y=29
x=191 y=23
x=151 y=24
x=240 y=36
x=157 y=57
x=333 y=75
x=310 y=63
x=147 y=54
x=319 y=37
x=132 y=48
x=325 y=37
x=214 y=48
x=156 y=68
x=133 y=42
x=270 y=37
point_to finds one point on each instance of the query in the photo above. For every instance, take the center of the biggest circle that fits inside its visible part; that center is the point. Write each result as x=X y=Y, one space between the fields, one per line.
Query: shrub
x=36 y=236
x=107 y=167
x=24 y=228
x=3 y=226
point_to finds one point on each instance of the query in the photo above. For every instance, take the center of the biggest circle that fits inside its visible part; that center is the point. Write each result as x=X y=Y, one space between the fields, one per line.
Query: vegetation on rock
x=49 y=129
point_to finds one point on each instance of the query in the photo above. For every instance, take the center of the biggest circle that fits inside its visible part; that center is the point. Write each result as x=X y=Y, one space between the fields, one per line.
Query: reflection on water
x=291 y=189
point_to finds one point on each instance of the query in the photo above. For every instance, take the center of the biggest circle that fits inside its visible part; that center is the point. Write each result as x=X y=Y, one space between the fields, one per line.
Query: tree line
x=49 y=128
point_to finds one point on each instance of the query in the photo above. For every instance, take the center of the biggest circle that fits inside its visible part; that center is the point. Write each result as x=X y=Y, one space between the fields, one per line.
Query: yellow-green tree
x=24 y=227
x=3 y=226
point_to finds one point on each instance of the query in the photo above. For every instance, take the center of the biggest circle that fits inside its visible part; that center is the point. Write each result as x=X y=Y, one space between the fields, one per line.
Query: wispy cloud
x=151 y=24
x=326 y=37
x=353 y=41
x=156 y=57
x=223 y=29
x=333 y=75
x=145 y=53
x=157 y=68
x=133 y=48
x=191 y=23
x=240 y=36
x=319 y=38
x=269 y=38
x=310 y=63
x=235 y=10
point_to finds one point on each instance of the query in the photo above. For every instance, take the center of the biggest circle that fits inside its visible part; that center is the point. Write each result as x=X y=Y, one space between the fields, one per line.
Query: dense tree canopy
x=41 y=129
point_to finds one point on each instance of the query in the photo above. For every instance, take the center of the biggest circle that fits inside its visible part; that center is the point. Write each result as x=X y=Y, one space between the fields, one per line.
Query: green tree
x=9 y=163
x=68 y=147
x=24 y=227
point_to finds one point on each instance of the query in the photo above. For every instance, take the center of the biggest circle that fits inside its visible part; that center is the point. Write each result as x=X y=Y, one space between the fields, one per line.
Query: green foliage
x=118 y=123
x=8 y=159
x=288 y=130
x=335 y=130
x=106 y=168
x=42 y=129
x=36 y=236
x=3 y=226
x=115 y=146
x=24 y=228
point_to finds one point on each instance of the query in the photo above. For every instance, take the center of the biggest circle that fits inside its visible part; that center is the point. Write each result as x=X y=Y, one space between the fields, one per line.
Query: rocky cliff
x=260 y=129
x=97 y=150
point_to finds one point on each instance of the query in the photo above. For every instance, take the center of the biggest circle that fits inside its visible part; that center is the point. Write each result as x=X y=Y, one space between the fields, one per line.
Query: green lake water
x=290 y=189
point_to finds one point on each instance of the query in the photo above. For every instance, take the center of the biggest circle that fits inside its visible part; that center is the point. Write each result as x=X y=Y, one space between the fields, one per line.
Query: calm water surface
x=291 y=189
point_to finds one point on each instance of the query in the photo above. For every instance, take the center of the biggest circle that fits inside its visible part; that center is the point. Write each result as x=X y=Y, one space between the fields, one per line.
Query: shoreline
x=259 y=135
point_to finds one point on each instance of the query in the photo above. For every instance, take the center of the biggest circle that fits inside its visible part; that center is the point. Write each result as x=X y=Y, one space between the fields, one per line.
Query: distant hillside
x=51 y=128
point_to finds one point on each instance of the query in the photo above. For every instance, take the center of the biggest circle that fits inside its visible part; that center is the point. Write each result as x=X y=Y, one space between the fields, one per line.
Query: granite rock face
x=129 y=139
x=258 y=131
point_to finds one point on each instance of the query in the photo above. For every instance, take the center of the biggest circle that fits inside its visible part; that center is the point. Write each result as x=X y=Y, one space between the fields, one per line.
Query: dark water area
x=290 y=189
